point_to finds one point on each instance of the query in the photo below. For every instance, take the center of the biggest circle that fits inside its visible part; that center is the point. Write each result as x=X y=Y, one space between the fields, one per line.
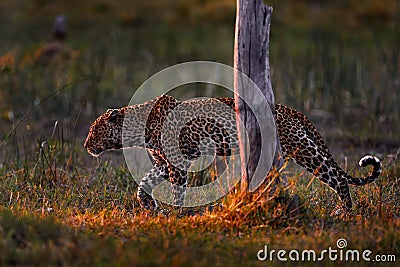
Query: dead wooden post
x=251 y=53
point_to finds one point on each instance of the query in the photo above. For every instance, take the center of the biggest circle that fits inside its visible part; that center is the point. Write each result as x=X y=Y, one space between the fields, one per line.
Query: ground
x=58 y=205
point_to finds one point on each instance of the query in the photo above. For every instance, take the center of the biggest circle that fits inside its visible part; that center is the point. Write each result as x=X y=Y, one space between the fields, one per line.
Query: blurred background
x=336 y=61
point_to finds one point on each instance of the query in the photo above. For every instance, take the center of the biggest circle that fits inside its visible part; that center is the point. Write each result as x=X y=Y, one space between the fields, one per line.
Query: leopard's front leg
x=178 y=179
x=151 y=180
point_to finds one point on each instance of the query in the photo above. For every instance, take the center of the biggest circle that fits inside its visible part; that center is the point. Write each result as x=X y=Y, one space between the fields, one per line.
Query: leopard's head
x=105 y=132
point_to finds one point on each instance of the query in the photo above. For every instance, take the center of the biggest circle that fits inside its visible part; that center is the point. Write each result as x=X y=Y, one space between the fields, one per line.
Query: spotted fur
x=300 y=141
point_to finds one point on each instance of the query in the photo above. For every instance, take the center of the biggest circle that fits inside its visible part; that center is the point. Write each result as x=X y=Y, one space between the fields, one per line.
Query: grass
x=94 y=222
x=59 y=206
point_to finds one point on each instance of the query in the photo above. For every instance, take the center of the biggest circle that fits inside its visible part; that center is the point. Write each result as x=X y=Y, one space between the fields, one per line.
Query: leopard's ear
x=110 y=110
x=113 y=114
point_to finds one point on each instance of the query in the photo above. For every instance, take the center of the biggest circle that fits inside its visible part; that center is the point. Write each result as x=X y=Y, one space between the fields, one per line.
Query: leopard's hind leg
x=326 y=171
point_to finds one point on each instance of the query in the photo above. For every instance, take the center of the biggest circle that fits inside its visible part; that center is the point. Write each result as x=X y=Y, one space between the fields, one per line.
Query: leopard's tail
x=376 y=171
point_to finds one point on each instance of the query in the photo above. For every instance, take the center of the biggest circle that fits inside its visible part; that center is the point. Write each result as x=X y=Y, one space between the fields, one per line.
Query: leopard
x=144 y=125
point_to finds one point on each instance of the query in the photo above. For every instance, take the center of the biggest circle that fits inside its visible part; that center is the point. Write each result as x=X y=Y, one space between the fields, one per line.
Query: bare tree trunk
x=251 y=54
